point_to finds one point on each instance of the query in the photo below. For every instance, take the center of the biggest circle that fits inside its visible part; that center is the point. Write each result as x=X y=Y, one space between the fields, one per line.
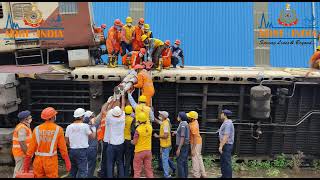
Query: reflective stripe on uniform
x=51 y=153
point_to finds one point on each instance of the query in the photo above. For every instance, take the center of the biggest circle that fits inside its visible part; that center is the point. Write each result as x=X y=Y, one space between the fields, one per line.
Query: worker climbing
x=133 y=58
x=46 y=139
x=145 y=83
x=113 y=43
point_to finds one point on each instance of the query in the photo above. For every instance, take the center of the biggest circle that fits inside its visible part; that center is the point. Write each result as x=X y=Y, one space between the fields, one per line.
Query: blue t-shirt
x=177 y=52
x=227 y=128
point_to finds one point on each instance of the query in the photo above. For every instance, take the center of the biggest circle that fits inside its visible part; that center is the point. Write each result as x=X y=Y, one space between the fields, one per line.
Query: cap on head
x=48 y=113
x=23 y=115
x=142 y=99
x=146 y=26
x=79 y=113
x=117 y=22
x=141 y=21
x=318 y=48
x=226 y=112
x=165 y=114
x=88 y=114
x=183 y=116
x=128 y=109
x=103 y=26
x=129 y=19
x=167 y=42
x=192 y=115
x=177 y=42
x=116 y=111
x=141 y=117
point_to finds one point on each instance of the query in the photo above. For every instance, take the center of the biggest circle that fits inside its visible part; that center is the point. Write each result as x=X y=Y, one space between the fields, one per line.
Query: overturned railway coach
x=288 y=119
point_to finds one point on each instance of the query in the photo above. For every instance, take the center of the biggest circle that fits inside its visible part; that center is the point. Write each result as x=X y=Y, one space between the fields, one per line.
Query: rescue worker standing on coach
x=137 y=43
x=226 y=137
x=196 y=145
x=145 y=82
x=177 y=54
x=142 y=141
x=89 y=118
x=46 y=139
x=165 y=141
x=22 y=135
x=141 y=107
x=126 y=36
x=128 y=147
x=77 y=136
x=166 y=55
x=113 y=43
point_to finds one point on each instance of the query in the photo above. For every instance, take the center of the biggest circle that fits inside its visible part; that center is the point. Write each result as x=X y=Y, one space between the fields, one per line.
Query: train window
x=1 y=11
x=68 y=7
x=19 y=9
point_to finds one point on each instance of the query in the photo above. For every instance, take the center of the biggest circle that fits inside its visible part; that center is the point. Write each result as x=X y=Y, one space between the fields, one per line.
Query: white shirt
x=78 y=134
x=114 y=129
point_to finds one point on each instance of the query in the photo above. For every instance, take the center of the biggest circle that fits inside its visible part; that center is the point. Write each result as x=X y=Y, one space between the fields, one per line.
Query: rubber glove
x=26 y=164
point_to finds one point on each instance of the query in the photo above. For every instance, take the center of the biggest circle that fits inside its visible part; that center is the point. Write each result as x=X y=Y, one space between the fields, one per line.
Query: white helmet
x=79 y=112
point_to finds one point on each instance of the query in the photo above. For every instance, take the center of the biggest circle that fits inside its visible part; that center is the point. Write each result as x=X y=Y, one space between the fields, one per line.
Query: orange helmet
x=178 y=42
x=167 y=42
x=138 y=66
x=48 y=113
x=103 y=26
x=117 y=22
x=143 y=51
x=141 y=21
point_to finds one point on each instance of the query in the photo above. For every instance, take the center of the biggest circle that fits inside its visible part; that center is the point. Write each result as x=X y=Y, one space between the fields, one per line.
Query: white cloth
x=114 y=129
x=78 y=134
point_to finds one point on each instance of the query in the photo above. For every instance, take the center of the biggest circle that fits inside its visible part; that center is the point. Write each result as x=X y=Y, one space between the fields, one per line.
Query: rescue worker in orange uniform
x=113 y=43
x=133 y=58
x=145 y=83
x=166 y=56
x=137 y=43
x=22 y=135
x=46 y=139
x=99 y=32
x=126 y=36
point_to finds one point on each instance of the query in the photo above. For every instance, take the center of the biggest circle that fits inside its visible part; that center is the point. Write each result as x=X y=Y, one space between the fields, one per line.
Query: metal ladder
x=23 y=53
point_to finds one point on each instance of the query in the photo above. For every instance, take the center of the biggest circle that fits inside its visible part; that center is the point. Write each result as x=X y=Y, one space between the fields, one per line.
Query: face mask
x=140 y=26
x=146 y=31
x=175 y=45
x=129 y=24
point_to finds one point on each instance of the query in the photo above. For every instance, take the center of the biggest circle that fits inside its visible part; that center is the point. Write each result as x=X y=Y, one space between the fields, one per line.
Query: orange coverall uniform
x=166 y=57
x=137 y=44
x=46 y=139
x=134 y=58
x=113 y=41
x=145 y=82
x=315 y=60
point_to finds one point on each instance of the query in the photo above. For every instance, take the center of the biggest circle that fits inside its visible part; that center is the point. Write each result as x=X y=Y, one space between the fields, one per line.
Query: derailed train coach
x=275 y=110
x=41 y=32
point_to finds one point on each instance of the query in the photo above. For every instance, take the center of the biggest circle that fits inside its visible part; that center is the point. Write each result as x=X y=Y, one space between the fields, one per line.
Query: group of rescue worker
x=136 y=45
x=123 y=128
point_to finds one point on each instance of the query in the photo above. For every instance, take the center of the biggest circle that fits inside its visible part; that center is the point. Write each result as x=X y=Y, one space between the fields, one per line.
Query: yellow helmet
x=146 y=26
x=144 y=37
x=141 y=117
x=142 y=98
x=192 y=114
x=318 y=48
x=128 y=109
x=129 y=19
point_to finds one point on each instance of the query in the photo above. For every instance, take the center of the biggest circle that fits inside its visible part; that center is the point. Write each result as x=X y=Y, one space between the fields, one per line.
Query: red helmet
x=138 y=66
x=178 y=42
x=167 y=42
x=141 y=21
x=103 y=26
x=143 y=51
x=48 y=113
x=117 y=22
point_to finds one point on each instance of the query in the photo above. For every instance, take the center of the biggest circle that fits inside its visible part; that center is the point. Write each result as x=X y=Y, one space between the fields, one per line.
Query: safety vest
x=16 y=148
x=127 y=128
x=143 y=108
x=156 y=42
x=164 y=143
x=46 y=138
x=145 y=136
x=128 y=32
x=102 y=128
x=148 y=34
